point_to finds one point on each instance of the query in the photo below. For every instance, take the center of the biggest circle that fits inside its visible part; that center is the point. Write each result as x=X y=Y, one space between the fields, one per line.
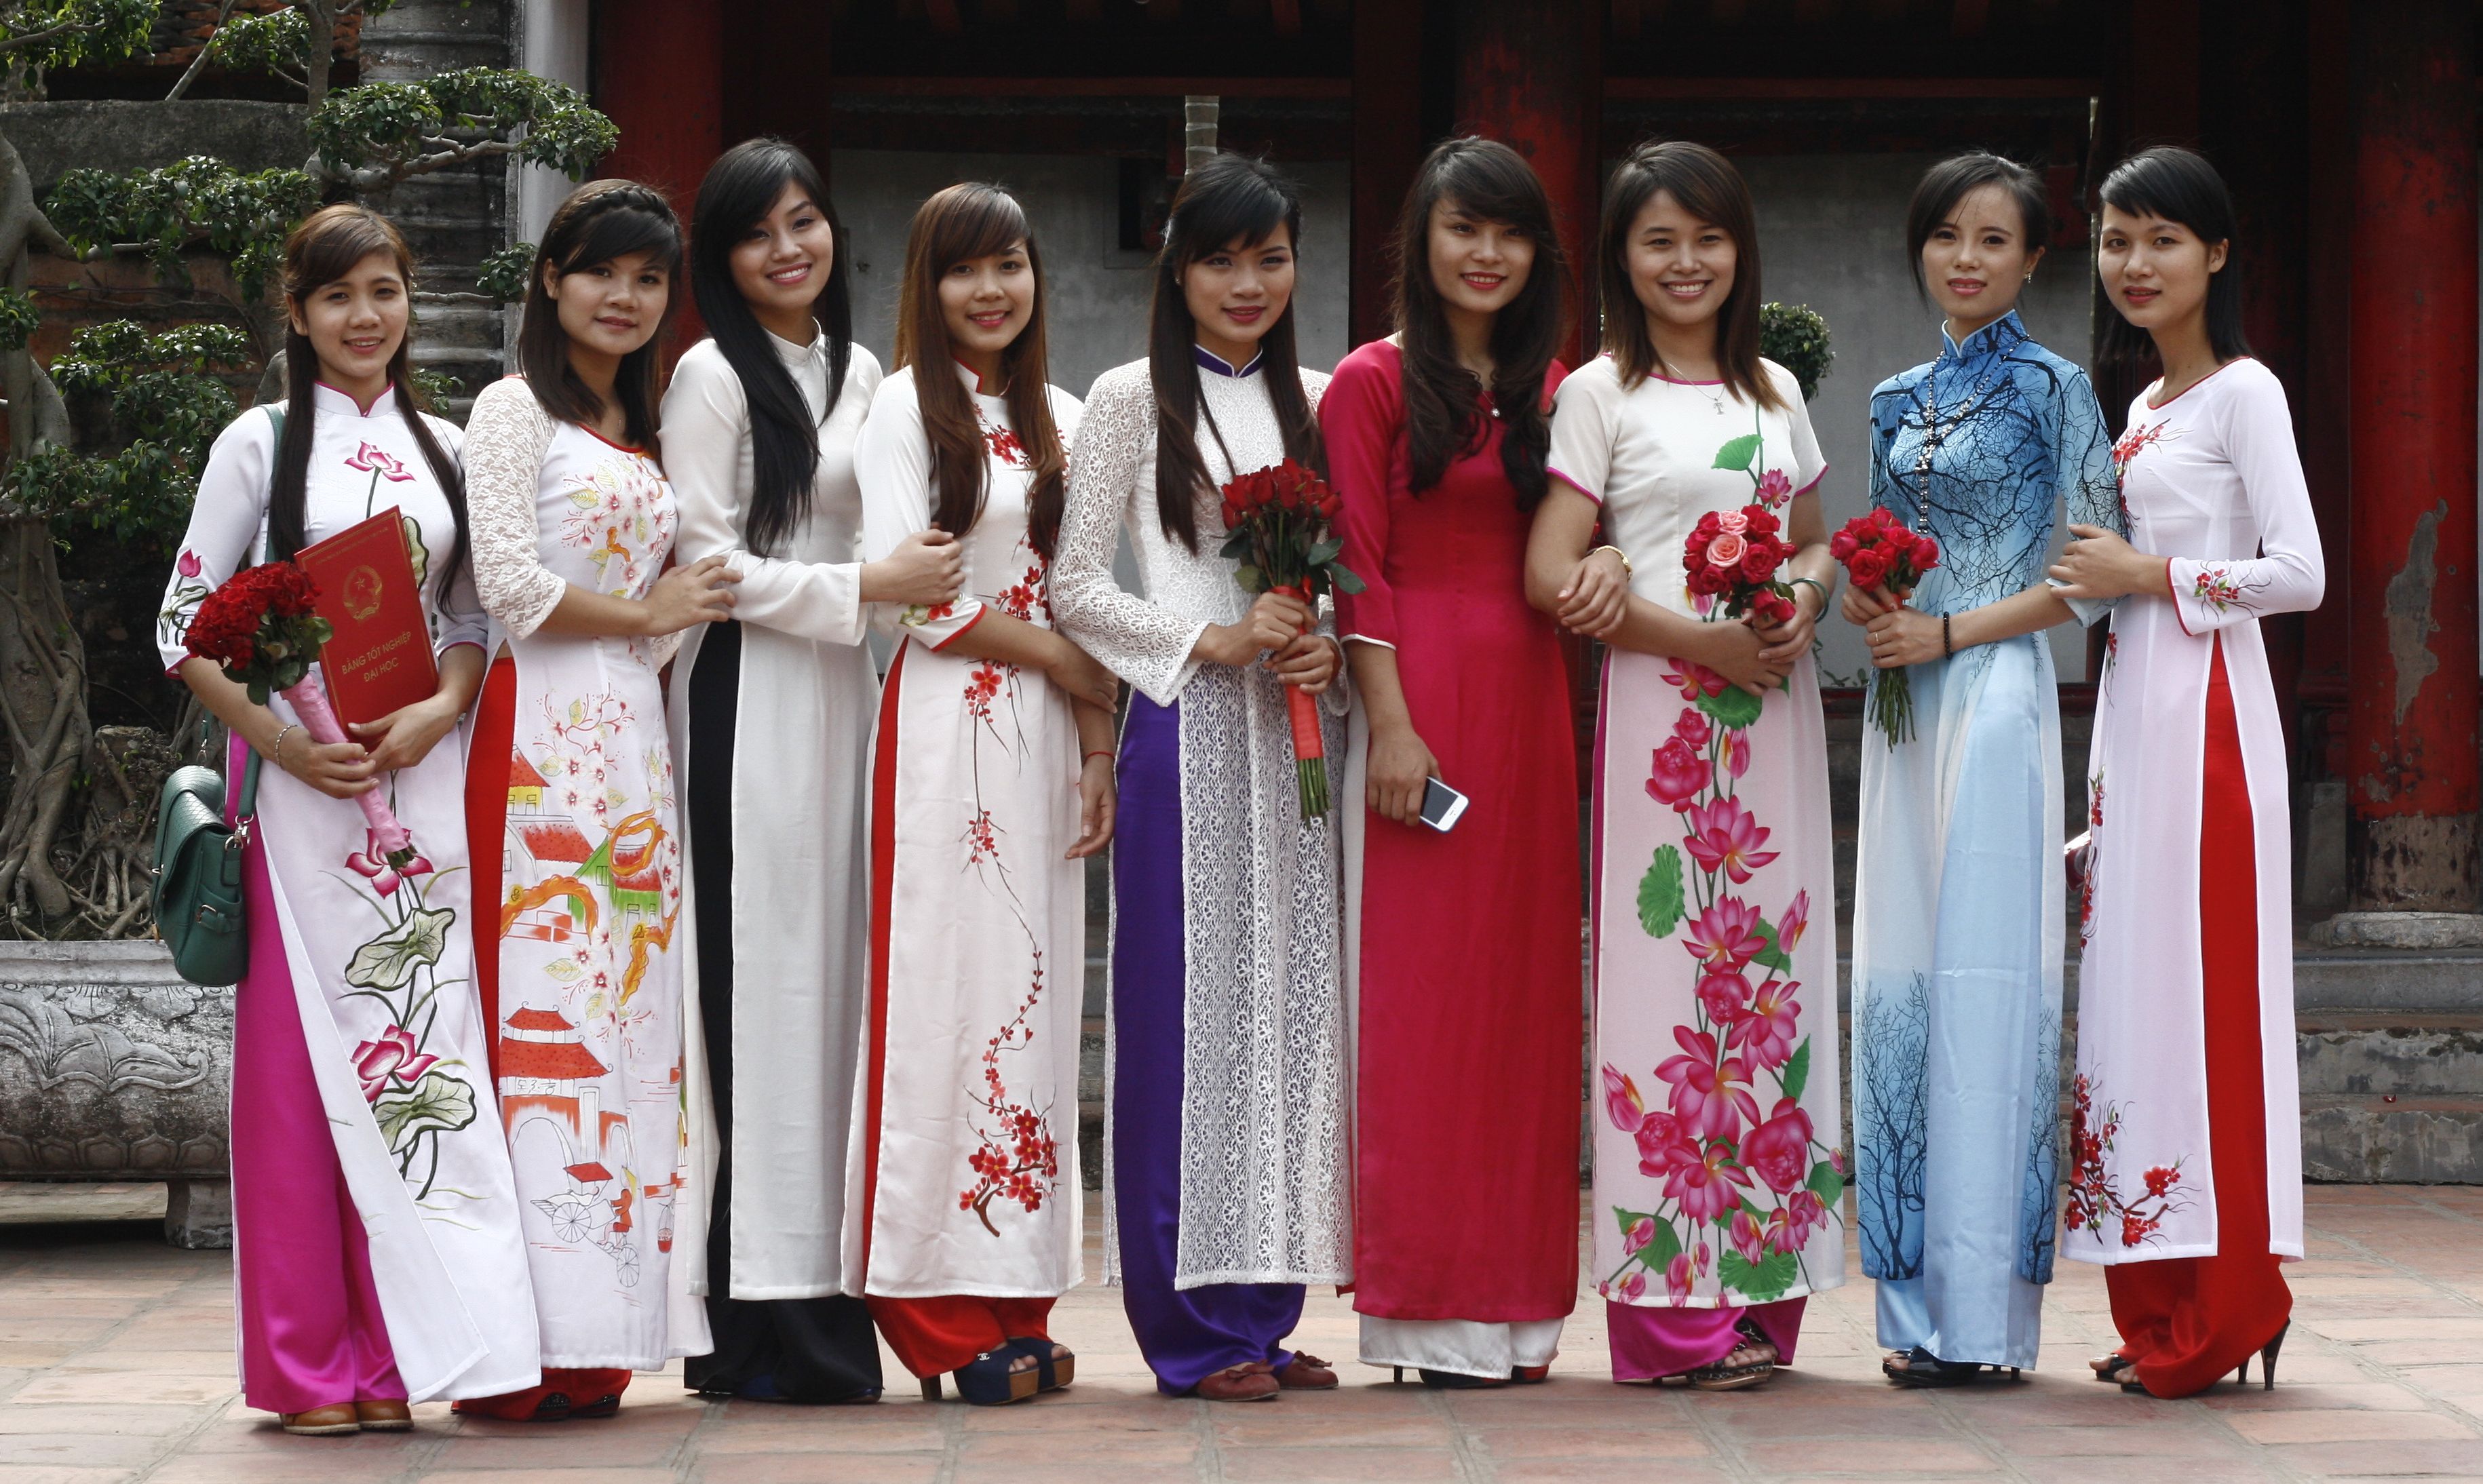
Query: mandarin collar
x=1209 y=361
x=330 y=401
x=793 y=355
x=2002 y=335
x=974 y=383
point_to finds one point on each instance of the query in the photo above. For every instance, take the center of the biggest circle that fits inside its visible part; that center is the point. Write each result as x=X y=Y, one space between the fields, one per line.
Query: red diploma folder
x=379 y=657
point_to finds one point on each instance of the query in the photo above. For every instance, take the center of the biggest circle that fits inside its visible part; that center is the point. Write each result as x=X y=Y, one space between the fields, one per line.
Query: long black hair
x=1951 y=180
x=325 y=247
x=741 y=189
x=2178 y=185
x=958 y=225
x=1444 y=418
x=1712 y=191
x=1228 y=198
x=600 y=221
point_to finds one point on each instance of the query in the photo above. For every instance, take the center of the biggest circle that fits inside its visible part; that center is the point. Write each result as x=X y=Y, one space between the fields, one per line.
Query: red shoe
x=1306 y=1372
x=1237 y=1383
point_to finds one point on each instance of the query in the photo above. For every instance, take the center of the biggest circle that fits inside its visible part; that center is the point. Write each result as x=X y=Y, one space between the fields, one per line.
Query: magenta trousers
x=1650 y=1343
x=311 y=1334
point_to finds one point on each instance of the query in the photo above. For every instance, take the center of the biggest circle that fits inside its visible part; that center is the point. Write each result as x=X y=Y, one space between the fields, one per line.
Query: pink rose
x=1676 y=776
x=1726 y=550
x=1779 y=1151
x=1732 y=522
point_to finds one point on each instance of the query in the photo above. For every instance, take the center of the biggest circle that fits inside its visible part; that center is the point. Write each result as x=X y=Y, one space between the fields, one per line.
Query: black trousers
x=811 y=1349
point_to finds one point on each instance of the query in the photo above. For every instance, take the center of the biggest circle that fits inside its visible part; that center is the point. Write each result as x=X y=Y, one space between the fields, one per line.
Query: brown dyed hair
x=958 y=225
x=330 y=244
x=1711 y=190
x=602 y=219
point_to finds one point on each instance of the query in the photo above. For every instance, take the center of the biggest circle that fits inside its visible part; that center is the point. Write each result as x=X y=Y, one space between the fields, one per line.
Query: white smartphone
x=1442 y=805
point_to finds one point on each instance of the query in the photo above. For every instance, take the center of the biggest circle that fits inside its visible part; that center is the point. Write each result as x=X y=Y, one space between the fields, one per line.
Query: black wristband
x=1948 y=649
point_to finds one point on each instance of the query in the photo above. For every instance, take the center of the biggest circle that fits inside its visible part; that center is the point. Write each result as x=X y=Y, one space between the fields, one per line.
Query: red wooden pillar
x=1530 y=74
x=778 y=54
x=2411 y=741
x=659 y=76
x=1387 y=148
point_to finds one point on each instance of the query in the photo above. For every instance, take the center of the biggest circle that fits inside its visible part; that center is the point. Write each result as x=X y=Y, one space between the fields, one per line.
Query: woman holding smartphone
x=336 y=1332
x=1717 y=1174
x=1227 y=1179
x=2186 y=1171
x=1462 y=949
x=571 y=786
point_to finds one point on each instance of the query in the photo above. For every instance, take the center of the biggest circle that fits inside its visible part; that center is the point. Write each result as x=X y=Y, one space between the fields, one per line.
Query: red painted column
x=1387 y=148
x=659 y=76
x=1530 y=74
x=2411 y=742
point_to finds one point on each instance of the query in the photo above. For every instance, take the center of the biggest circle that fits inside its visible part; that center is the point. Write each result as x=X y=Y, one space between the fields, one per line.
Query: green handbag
x=199 y=873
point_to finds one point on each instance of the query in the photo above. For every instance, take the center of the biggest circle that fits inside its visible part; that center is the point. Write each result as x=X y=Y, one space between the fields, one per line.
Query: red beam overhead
x=1798 y=89
x=1098 y=87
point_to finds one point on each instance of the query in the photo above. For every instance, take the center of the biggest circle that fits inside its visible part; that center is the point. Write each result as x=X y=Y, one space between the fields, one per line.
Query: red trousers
x=936 y=1336
x=2187 y=1322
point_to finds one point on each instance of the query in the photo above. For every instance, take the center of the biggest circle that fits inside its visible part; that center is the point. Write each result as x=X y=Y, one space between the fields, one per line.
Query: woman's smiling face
x=1680 y=267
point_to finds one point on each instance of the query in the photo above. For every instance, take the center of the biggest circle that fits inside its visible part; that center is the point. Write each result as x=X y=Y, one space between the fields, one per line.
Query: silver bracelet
x=278 y=748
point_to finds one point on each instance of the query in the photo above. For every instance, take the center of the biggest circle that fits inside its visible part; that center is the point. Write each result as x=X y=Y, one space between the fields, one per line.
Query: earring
x=2030 y=278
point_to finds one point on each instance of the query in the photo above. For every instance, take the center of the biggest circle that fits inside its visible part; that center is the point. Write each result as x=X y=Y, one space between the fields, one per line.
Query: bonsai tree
x=106 y=441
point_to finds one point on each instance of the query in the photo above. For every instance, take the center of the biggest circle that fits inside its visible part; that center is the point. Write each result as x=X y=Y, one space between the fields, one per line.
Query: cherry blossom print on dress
x=2093 y=1202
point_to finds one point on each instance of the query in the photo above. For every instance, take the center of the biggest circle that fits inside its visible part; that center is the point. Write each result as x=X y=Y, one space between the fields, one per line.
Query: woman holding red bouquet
x=1717 y=1171
x=1461 y=948
x=332 y=1067
x=1227 y=1184
x=1957 y=914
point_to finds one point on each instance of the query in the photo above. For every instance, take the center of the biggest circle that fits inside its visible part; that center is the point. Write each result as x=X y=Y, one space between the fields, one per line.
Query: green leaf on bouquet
x=1660 y=903
x=1345 y=579
x=1237 y=544
x=1772 y=956
x=1826 y=1184
x=1733 y=708
x=1738 y=453
x=1759 y=1281
x=1326 y=551
x=1661 y=1249
x=1795 y=1075
x=437 y=1102
x=1252 y=579
x=389 y=961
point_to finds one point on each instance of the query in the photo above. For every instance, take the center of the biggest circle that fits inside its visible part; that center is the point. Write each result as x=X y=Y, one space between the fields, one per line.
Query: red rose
x=1762 y=521
x=1867 y=567
x=1926 y=554
x=1759 y=563
x=1842 y=546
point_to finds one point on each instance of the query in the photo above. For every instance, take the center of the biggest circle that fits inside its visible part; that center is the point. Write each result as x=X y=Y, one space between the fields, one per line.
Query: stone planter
x=111 y=1067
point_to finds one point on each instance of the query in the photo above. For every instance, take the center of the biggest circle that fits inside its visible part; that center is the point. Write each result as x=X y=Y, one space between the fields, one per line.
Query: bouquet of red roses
x=1878 y=550
x=1734 y=555
x=261 y=627
x=1277 y=519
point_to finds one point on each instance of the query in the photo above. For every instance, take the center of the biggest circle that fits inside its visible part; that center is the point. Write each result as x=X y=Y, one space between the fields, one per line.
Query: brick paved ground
x=116 y=1364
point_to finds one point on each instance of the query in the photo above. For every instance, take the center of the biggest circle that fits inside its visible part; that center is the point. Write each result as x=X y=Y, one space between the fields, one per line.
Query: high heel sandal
x=2266 y=1361
x=1054 y=1371
x=989 y=1380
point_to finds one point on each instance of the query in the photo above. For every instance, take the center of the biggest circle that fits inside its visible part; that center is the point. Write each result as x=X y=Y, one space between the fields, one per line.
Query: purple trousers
x=1650 y=1343
x=1187 y=1334
x=311 y=1334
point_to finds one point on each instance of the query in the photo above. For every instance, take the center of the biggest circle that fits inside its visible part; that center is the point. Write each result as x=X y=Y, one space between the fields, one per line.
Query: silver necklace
x=1936 y=431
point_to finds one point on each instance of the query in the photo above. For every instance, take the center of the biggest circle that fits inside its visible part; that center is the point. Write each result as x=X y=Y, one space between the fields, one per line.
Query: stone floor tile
x=67 y=1473
x=1509 y=1444
x=1923 y=1456
x=2382 y=1456
x=117 y=1451
x=1338 y=1466
x=2330 y=1426
x=813 y=1466
x=117 y=1418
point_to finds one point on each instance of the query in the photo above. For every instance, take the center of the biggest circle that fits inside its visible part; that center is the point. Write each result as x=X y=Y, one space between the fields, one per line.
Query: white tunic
x=966 y=1175
x=2210 y=480
x=1265 y=1128
x=590 y=983
x=382 y=964
x=803 y=721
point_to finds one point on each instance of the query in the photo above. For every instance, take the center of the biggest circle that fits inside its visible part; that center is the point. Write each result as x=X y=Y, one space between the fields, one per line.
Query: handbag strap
x=246 y=805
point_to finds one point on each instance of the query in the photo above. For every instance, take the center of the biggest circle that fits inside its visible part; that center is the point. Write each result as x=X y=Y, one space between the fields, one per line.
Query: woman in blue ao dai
x=1959 y=910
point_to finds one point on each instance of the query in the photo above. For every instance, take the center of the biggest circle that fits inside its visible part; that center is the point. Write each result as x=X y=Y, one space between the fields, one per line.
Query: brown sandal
x=321 y=1421
x=1239 y=1383
x=384 y=1416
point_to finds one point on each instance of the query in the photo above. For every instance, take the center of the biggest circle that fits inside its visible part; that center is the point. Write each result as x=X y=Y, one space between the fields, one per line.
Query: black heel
x=930 y=1388
x=1396 y=1374
x=2267 y=1359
